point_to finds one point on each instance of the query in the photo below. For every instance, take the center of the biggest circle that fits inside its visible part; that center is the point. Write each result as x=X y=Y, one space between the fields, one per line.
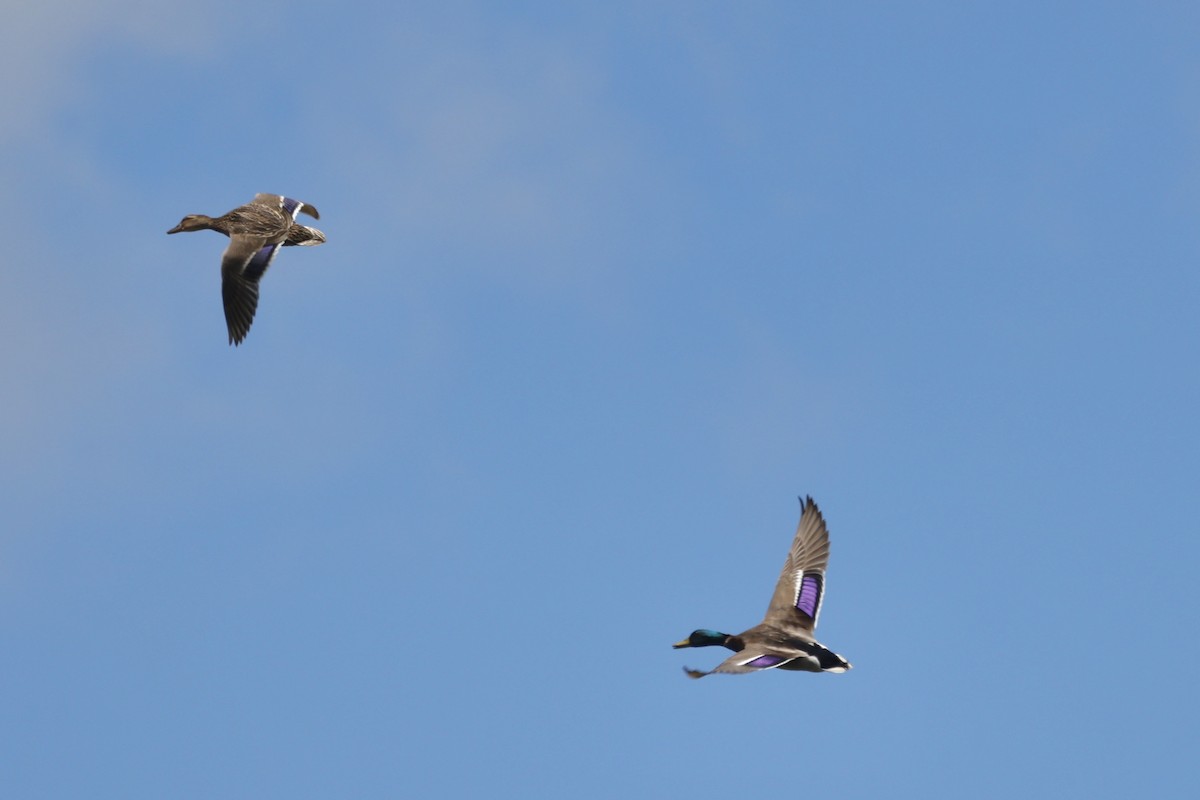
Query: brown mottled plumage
x=256 y=231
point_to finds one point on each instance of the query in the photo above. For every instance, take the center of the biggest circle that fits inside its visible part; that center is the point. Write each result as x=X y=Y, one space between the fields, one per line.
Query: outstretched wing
x=288 y=205
x=801 y=586
x=748 y=660
x=239 y=292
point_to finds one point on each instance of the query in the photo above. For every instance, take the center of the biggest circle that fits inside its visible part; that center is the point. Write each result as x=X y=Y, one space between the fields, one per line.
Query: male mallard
x=784 y=638
x=255 y=230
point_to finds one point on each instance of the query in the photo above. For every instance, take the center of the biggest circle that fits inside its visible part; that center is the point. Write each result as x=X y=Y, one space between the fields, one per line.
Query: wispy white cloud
x=44 y=46
x=447 y=154
x=513 y=139
x=63 y=343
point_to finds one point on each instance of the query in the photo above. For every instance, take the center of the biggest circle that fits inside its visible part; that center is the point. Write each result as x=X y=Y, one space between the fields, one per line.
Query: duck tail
x=832 y=662
x=304 y=236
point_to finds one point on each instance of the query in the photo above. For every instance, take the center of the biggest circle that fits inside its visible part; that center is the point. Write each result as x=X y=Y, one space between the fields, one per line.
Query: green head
x=705 y=638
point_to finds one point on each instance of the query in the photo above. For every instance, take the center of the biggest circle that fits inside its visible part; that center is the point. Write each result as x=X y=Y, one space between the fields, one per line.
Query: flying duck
x=784 y=639
x=256 y=231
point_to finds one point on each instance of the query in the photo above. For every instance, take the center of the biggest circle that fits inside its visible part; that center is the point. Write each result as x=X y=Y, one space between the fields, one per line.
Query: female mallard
x=255 y=230
x=784 y=638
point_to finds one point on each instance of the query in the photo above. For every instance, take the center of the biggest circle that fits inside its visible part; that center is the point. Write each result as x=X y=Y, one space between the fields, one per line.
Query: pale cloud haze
x=605 y=290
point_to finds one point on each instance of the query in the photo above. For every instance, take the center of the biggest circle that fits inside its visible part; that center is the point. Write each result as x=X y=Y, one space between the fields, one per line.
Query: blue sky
x=606 y=289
